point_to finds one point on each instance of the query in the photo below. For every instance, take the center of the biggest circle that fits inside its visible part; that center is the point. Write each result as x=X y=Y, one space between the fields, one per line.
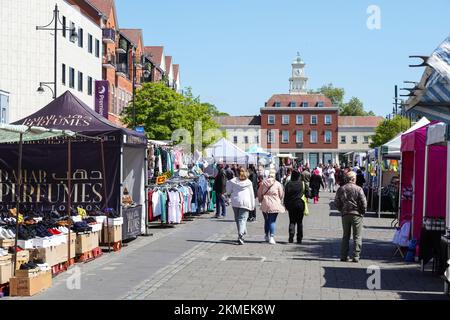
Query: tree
x=389 y=129
x=336 y=95
x=162 y=111
x=354 y=107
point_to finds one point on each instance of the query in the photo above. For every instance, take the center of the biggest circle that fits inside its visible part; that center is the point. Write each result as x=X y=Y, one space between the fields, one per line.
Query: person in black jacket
x=315 y=183
x=253 y=177
x=360 y=179
x=294 y=191
x=220 y=187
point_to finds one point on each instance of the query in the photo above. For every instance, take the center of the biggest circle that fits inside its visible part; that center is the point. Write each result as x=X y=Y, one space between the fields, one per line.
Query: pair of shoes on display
x=6 y=234
x=54 y=231
x=63 y=230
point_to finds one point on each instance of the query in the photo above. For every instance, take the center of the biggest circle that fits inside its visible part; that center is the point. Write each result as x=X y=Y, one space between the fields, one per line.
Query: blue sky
x=237 y=53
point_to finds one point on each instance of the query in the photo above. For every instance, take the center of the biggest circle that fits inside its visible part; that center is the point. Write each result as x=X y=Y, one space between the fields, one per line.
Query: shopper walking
x=360 y=179
x=306 y=175
x=315 y=183
x=220 y=183
x=253 y=177
x=270 y=195
x=242 y=197
x=331 y=178
x=293 y=201
x=351 y=202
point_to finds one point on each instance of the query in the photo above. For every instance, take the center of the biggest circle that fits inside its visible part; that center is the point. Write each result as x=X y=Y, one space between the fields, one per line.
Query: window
x=71 y=78
x=80 y=81
x=235 y=139
x=90 y=43
x=355 y=139
x=293 y=104
x=257 y=139
x=299 y=136
x=277 y=104
x=313 y=119
x=299 y=119
x=328 y=136
x=271 y=119
x=305 y=104
x=4 y=107
x=285 y=136
x=313 y=137
x=97 y=48
x=80 y=37
x=343 y=139
x=90 y=86
x=72 y=27
x=328 y=119
x=246 y=139
x=64 y=24
x=285 y=119
x=270 y=136
x=320 y=104
x=63 y=74
x=366 y=139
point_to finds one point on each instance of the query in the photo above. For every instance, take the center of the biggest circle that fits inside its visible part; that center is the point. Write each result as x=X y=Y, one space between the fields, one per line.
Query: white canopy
x=10 y=133
x=225 y=151
x=392 y=148
x=437 y=133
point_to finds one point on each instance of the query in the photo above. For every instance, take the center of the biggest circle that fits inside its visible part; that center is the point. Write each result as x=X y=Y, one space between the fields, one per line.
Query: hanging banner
x=102 y=97
x=45 y=177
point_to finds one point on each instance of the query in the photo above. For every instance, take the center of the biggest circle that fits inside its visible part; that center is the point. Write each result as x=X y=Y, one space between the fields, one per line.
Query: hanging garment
x=156 y=203
x=163 y=200
x=174 y=206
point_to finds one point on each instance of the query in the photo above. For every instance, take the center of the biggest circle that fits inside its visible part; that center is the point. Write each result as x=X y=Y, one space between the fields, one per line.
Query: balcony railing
x=122 y=68
x=109 y=61
x=109 y=35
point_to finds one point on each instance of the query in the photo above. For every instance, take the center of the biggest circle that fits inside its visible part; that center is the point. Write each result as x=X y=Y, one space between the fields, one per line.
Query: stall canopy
x=225 y=151
x=432 y=95
x=391 y=149
x=11 y=133
x=67 y=112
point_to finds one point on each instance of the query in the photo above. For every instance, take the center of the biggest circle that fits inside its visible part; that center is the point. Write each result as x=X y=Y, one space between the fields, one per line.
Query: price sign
x=161 y=179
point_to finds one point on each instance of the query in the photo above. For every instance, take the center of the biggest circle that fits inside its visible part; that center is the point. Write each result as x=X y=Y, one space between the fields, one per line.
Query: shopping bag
x=305 y=201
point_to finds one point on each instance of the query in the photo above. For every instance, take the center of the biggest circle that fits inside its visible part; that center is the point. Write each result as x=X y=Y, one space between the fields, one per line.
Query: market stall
x=226 y=152
x=124 y=176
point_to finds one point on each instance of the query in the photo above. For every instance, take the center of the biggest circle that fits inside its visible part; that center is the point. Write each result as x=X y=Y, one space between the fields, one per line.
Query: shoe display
x=272 y=240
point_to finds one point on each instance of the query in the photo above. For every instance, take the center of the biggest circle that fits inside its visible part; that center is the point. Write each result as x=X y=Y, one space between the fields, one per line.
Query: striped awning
x=432 y=97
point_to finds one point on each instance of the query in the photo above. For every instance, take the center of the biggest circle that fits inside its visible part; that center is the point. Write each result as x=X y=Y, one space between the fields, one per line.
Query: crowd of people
x=288 y=190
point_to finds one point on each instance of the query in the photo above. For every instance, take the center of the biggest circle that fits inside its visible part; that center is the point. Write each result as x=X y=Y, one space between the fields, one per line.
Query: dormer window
x=277 y=104
x=293 y=104
x=305 y=104
x=320 y=104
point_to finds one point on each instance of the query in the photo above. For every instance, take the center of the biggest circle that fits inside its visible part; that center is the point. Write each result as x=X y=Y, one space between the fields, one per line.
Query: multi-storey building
x=243 y=131
x=32 y=61
x=156 y=54
x=301 y=124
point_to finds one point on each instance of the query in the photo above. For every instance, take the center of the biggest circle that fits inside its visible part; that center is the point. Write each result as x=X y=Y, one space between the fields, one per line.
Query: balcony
x=109 y=61
x=109 y=36
x=122 y=70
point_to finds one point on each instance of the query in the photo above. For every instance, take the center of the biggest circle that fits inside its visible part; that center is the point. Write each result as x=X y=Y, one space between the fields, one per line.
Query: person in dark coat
x=220 y=187
x=360 y=180
x=294 y=191
x=253 y=177
x=229 y=172
x=315 y=183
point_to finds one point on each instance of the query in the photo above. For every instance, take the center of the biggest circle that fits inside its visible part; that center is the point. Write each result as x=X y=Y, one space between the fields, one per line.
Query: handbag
x=305 y=201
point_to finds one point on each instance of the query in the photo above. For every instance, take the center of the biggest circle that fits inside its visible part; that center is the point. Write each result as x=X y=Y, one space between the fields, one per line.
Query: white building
x=27 y=55
x=243 y=131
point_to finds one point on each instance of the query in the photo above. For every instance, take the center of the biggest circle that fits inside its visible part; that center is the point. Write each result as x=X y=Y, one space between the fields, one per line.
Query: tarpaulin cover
x=67 y=112
x=225 y=151
x=11 y=133
x=437 y=133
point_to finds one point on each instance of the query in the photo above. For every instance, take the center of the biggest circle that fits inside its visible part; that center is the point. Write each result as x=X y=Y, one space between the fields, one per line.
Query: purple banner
x=102 y=97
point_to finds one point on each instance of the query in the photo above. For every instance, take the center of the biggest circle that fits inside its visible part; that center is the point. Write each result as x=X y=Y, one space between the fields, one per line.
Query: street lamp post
x=55 y=29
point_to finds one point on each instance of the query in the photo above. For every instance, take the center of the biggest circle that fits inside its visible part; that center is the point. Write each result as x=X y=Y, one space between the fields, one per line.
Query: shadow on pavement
x=404 y=282
x=231 y=242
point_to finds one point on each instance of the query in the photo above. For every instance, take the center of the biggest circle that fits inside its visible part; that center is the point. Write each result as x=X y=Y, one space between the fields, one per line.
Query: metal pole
x=69 y=188
x=396 y=99
x=56 y=16
x=18 y=194
x=105 y=193
x=134 y=89
x=380 y=181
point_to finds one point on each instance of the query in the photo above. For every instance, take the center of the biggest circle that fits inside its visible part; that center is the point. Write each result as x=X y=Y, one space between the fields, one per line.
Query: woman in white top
x=331 y=178
x=243 y=201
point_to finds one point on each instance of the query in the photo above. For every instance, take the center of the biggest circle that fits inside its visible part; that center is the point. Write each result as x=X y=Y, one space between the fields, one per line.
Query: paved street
x=189 y=262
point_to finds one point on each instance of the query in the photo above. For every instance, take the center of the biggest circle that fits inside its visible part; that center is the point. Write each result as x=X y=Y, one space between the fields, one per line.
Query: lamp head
x=73 y=35
x=40 y=89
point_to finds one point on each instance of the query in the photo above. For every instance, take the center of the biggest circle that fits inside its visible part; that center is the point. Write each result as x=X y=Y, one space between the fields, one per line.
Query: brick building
x=301 y=124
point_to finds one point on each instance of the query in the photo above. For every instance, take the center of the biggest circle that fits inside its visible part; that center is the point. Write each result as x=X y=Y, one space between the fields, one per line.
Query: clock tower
x=298 y=80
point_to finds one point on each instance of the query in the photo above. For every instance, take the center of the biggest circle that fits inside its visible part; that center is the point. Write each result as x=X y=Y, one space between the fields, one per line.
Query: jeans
x=351 y=222
x=331 y=185
x=241 y=216
x=270 y=223
x=220 y=204
x=296 y=215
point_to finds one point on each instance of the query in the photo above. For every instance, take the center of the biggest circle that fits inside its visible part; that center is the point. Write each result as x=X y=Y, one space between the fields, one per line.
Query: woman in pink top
x=270 y=195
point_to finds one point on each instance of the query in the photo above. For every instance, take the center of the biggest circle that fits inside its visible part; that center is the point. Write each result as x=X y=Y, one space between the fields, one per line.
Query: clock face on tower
x=297 y=72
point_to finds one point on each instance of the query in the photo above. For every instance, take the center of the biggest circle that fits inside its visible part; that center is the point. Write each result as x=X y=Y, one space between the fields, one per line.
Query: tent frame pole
x=105 y=192
x=448 y=189
x=380 y=181
x=69 y=197
x=425 y=182
x=18 y=194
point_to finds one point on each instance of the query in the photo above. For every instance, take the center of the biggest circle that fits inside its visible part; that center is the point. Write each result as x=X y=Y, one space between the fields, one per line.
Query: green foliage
x=354 y=107
x=336 y=95
x=161 y=111
x=389 y=129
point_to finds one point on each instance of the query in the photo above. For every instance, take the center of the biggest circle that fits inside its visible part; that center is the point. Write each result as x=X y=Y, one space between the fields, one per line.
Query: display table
x=131 y=222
